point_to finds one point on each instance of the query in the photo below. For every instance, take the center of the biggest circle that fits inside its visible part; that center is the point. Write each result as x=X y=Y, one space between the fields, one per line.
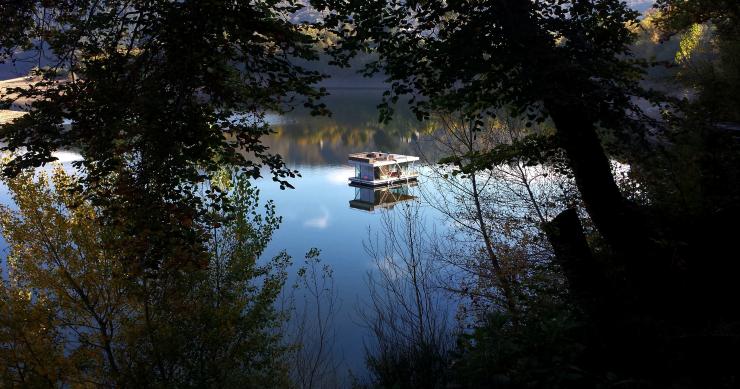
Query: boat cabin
x=377 y=168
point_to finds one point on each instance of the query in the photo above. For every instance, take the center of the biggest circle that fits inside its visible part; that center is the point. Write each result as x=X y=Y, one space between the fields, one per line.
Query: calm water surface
x=317 y=212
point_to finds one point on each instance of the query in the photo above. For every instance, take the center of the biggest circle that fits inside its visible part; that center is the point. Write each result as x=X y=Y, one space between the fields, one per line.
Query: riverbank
x=8 y=115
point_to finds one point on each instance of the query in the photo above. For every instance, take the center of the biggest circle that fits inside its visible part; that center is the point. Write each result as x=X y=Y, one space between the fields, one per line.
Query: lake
x=317 y=212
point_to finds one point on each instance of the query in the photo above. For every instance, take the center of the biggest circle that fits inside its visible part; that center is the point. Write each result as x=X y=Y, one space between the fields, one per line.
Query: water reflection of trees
x=354 y=126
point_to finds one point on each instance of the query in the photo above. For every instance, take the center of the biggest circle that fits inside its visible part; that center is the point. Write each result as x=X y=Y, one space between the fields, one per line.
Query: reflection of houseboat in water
x=376 y=168
x=369 y=198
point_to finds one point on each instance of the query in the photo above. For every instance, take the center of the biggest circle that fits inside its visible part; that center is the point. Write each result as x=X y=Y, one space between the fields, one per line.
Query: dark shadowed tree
x=568 y=62
x=717 y=78
x=156 y=96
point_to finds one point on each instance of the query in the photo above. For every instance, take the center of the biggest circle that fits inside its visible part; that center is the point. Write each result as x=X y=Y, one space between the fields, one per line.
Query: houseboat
x=371 y=198
x=377 y=169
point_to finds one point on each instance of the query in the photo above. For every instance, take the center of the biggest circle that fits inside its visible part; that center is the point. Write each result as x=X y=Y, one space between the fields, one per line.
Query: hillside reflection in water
x=303 y=139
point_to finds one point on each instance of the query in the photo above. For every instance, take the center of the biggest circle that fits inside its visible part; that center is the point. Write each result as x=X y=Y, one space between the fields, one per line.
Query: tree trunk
x=587 y=280
x=617 y=219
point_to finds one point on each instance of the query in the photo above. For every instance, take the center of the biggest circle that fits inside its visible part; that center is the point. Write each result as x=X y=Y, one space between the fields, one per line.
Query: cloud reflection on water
x=320 y=222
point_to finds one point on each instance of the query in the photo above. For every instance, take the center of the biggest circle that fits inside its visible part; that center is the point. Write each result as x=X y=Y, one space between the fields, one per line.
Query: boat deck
x=380 y=159
x=386 y=181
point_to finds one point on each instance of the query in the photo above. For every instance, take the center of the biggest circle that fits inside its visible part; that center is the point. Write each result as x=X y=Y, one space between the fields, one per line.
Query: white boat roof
x=377 y=158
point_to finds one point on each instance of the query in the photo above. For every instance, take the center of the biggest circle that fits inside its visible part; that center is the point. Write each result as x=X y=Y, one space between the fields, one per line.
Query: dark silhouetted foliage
x=156 y=96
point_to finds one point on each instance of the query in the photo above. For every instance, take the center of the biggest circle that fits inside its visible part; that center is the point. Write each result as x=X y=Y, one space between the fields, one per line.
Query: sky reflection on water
x=317 y=212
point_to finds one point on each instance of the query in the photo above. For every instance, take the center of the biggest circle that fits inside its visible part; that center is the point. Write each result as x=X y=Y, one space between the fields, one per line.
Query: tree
x=568 y=62
x=312 y=328
x=408 y=314
x=498 y=212
x=679 y=15
x=715 y=25
x=156 y=96
x=73 y=314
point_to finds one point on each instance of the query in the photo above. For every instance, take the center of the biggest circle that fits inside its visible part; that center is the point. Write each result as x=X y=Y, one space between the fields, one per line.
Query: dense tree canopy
x=564 y=61
x=476 y=56
x=156 y=95
x=715 y=75
x=569 y=63
x=143 y=269
x=72 y=314
x=679 y=15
